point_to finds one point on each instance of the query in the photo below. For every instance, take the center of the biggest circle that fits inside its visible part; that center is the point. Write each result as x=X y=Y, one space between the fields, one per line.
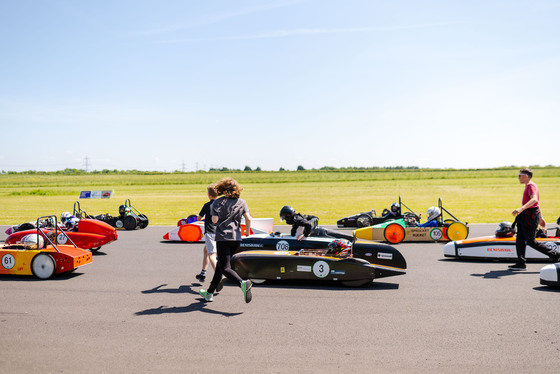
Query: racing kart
x=40 y=255
x=88 y=234
x=366 y=219
x=406 y=230
x=190 y=230
x=550 y=275
x=499 y=248
x=129 y=217
x=282 y=256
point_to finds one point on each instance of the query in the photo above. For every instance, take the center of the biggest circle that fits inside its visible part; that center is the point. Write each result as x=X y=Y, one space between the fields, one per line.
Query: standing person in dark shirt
x=527 y=219
x=304 y=225
x=209 y=234
x=226 y=214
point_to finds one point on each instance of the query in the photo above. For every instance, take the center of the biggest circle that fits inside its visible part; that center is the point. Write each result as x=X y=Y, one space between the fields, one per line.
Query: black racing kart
x=129 y=217
x=366 y=219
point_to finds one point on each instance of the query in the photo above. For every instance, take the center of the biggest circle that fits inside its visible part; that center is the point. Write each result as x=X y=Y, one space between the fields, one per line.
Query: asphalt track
x=136 y=309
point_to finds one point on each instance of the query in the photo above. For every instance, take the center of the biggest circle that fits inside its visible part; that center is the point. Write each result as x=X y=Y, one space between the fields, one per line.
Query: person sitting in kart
x=433 y=214
x=304 y=225
x=339 y=248
x=124 y=211
x=505 y=230
x=394 y=213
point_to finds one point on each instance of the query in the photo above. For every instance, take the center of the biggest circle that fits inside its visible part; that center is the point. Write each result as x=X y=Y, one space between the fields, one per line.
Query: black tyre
x=357 y=283
x=363 y=221
x=94 y=249
x=129 y=222
x=143 y=221
x=43 y=266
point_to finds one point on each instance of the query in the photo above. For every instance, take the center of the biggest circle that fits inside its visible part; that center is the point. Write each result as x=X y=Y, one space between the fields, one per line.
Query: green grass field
x=474 y=196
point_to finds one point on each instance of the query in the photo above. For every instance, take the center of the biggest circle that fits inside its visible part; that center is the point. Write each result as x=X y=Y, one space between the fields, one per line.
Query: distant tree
x=300 y=167
x=258 y=168
x=281 y=169
x=247 y=168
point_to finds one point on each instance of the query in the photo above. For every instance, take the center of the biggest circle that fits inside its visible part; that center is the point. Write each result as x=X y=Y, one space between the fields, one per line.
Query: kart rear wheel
x=43 y=266
x=457 y=231
x=95 y=249
x=394 y=233
x=363 y=221
x=129 y=222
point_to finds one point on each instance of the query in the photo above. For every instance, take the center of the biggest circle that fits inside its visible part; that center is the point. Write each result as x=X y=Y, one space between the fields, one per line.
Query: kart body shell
x=386 y=260
x=402 y=230
x=92 y=235
x=194 y=231
x=493 y=248
x=133 y=220
x=550 y=275
x=302 y=265
x=52 y=258
x=371 y=218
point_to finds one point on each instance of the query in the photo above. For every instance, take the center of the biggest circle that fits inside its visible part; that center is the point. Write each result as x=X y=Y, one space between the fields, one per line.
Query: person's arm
x=532 y=201
x=247 y=223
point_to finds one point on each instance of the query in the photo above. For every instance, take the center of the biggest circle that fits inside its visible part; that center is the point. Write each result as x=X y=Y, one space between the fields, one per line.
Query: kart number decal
x=551 y=246
x=321 y=269
x=385 y=256
x=61 y=239
x=8 y=261
x=119 y=224
x=304 y=268
x=282 y=245
x=436 y=234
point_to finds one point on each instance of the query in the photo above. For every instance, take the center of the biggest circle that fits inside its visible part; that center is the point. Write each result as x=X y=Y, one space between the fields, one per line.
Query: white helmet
x=32 y=241
x=65 y=217
x=433 y=213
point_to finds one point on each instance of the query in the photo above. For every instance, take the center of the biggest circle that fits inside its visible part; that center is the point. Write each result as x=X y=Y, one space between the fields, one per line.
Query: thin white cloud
x=218 y=18
x=308 y=32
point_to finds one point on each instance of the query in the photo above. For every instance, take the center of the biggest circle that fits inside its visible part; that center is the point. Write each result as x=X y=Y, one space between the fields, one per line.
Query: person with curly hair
x=227 y=212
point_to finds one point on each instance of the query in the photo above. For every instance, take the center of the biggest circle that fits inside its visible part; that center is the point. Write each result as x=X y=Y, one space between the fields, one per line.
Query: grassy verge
x=476 y=196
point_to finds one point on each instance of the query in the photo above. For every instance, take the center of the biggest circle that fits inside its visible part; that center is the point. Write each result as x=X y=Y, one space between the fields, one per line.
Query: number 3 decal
x=321 y=269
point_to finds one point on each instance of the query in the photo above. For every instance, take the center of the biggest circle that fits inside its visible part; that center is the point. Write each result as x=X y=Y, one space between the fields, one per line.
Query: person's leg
x=520 y=244
x=224 y=261
x=533 y=225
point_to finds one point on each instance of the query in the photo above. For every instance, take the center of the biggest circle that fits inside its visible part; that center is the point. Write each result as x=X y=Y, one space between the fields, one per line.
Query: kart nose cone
x=449 y=249
x=550 y=275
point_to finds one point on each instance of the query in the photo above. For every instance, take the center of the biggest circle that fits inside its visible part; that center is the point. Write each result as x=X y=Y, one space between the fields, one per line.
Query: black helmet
x=395 y=207
x=505 y=230
x=124 y=210
x=287 y=214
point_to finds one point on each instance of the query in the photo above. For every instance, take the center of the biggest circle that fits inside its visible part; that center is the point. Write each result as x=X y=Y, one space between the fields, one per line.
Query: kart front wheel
x=356 y=283
x=363 y=221
x=129 y=222
x=43 y=266
x=457 y=231
x=258 y=281
x=394 y=233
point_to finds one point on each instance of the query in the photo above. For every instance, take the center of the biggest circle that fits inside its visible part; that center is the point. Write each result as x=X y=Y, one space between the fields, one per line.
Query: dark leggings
x=527 y=223
x=224 y=251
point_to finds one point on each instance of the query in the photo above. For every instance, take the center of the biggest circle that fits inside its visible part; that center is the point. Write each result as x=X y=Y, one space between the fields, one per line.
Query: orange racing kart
x=39 y=255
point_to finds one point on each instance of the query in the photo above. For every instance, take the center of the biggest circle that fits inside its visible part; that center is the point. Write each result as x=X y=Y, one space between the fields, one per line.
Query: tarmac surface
x=136 y=309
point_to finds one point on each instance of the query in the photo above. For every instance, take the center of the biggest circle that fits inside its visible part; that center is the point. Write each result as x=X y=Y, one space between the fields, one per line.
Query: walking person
x=209 y=252
x=227 y=211
x=527 y=219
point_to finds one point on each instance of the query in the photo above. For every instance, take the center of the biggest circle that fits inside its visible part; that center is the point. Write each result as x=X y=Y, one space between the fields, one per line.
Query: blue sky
x=167 y=85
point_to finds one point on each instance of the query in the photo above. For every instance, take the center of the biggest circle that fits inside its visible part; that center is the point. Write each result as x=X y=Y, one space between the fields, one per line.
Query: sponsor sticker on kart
x=8 y=261
x=321 y=269
x=436 y=234
x=282 y=245
x=304 y=268
x=384 y=256
x=338 y=272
